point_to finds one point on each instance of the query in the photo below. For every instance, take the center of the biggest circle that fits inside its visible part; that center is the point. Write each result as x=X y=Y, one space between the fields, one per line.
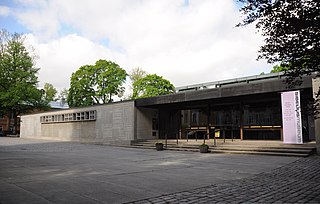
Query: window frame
x=81 y=116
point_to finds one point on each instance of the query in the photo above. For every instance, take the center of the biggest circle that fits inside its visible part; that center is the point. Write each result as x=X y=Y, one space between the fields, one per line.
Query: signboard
x=291 y=117
x=217 y=133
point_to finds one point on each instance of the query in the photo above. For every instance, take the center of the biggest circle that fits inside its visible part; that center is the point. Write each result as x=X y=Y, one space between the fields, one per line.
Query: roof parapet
x=235 y=81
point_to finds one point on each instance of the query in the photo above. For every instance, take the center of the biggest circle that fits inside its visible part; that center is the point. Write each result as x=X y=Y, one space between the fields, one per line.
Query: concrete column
x=315 y=88
x=241 y=120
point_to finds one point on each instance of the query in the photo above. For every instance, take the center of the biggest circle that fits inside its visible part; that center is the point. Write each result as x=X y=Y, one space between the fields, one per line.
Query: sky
x=185 y=41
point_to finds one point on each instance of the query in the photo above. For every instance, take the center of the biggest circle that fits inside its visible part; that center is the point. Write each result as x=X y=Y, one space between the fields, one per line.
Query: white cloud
x=4 y=11
x=59 y=58
x=41 y=17
x=184 y=43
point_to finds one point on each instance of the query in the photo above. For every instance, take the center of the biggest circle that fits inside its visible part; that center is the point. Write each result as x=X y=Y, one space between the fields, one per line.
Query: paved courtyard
x=39 y=171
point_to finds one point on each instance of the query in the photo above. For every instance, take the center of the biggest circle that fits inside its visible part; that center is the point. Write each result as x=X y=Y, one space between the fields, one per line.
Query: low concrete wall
x=114 y=124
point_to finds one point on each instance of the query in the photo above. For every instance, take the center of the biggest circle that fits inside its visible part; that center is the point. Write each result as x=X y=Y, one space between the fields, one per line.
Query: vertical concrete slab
x=315 y=88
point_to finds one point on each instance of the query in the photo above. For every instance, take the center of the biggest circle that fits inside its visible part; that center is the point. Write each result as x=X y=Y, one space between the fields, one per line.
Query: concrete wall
x=144 y=118
x=315 y=88
x=114 y=124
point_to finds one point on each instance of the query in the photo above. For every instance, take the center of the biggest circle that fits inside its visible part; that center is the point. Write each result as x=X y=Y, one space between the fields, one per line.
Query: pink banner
x=291 y=117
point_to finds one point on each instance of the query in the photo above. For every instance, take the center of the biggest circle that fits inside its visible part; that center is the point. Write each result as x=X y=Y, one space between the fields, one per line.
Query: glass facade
x=253 y=121
x=262 y=115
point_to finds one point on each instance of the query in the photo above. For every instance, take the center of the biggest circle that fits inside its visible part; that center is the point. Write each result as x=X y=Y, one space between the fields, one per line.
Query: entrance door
x=169 y=124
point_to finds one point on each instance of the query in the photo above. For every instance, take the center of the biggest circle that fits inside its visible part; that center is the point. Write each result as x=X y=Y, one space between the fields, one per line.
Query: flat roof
x=255 y=85
x=228 y=82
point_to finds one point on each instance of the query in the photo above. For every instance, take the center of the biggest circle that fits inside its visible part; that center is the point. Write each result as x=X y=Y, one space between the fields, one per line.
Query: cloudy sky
x=185 y=41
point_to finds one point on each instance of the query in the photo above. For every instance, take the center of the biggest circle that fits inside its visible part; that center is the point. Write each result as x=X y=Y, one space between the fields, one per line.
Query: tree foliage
x=49 y=92
x=18 y=78
x=63 y=95
x=278 y=68
x=136 y=74
x=291 y=31
x=96 y=84
x=152 y=85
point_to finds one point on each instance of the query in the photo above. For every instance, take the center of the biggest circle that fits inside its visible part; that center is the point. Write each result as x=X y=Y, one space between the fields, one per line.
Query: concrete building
x=116 y=123
x=244 y=108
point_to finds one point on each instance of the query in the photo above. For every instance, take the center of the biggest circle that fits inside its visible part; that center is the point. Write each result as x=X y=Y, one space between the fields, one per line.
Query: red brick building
x=7 y=125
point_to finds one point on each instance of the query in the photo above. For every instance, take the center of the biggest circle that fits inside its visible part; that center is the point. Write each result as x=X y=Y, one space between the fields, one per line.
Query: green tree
x=135 y=75
x=291 y=31
x=49 y=92
x=278 y=68
x=96 y=84
x=152 y=85
x=63 y=95
x=18 y=79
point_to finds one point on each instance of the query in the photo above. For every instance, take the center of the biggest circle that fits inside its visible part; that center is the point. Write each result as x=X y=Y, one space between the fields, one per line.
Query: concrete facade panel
x=315 y=89
x=114 y=124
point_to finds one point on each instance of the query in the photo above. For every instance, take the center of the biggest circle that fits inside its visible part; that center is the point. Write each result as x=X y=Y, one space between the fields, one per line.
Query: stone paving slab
x=41 y=171
x=296 y=182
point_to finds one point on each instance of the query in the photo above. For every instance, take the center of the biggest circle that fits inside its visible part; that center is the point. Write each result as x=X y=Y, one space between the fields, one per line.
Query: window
x=92 y=115
x=78 y=116
x=262 y=115
x=69 y=117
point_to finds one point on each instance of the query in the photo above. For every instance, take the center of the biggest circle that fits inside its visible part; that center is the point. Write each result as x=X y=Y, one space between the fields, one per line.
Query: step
x=241 y=148
x=236 y=147
x=269 y=147
x=293 y=151
x=288 y=150
x=262 y=153
x=280 y=145
x=212 y=151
